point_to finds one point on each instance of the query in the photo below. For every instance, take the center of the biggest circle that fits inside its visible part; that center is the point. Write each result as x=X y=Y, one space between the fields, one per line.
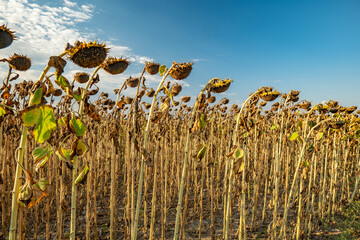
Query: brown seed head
x=152 y=68
x=220 y=86
x=132 y=82
x=6 y=37
x=115 y=65
x=81 y=77
x=181 y=71
x=88 y=55
x=185 y=99
x=19 y=62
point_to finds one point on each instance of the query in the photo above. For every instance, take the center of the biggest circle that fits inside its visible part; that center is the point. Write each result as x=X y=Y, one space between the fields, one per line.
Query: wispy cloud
x=44 y=30
x=198 y=60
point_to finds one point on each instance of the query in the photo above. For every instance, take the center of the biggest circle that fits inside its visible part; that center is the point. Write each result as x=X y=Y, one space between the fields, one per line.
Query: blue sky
x=311 y=46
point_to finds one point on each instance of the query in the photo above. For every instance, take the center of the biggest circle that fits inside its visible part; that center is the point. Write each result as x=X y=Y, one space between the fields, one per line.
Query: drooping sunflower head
x=175 y=89
x=88 y=55
x=132 y=82
x=220 y=86
x=19 y=62
x=152 y=68
x=268 y=94
x=185 y=99
x=81 y=77
x=115 y=65
x=6 y=37
x=181 y=71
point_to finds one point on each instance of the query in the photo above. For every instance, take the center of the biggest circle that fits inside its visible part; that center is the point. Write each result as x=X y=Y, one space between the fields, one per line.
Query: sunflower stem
x=15 y=193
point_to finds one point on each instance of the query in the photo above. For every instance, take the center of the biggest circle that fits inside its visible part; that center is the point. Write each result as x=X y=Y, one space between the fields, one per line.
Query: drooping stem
x=296 y=175
x=228 y=198
x=182 y=183
x=75 y=160
x=15 y=193
x=146 y=138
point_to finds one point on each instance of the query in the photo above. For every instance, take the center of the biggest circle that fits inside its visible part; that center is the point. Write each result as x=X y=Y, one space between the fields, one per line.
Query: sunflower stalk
x=75 y=162
x=182 y=183
x=289 y=200
x=228 y=198
x=146 y=138
x=20 y=159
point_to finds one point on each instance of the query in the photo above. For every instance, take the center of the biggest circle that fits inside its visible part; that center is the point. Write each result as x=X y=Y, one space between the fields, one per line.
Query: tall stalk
x=75 y=162
x=20 y=159
x=182 y=183
x=146 y=138
x=228 y=198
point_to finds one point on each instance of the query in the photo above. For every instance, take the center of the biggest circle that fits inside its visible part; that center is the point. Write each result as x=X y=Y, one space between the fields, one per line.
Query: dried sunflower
x=220 y=86
x=185 y=99
x=81 y=77
x=211 y=99
x=132 y=82
x=6 y=37
x=337 y=124
x=176 y=89
x=152 y=68
x=115 y=65
x=150 y=92
x=20 y=62
x=268 y=95
x=181 y=71
x=88 y=55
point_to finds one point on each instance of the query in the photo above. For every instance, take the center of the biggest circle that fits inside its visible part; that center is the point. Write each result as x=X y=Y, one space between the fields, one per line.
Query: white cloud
x=44 y=30
x=198 y=60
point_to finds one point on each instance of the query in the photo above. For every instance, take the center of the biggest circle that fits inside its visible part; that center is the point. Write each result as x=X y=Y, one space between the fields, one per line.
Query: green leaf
x=201 y=153
x=41 y=156
x=42 y=183
x=81 y=148
x=239 y=153
x=319 y=136
x=77 y=97
x=274 y=127
x=41 y=118
x=202 y=121
x=77 y=126
x=294 y=136
x=82 y=175
x=35 y=98
x=169 y=94
x=162 y=70
x=311 y=124
x=64 y=84
x=64 y=155
x=63 y=121
x=2 y=111
x=306 y=163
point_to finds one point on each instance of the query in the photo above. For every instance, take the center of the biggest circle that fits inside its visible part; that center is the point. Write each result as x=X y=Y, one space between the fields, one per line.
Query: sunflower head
x=181 y=71
x=220 y=86
x=268 y=94
x=81 y=77
x=19 y=62
x=152 y=68
x=6 y=37
x=132 y=82
x=211 y=99
x=337 y=124
x=88 y=55
x=115 y=65
x=304 y=104
x=186 y=99
x=351 y=109
x=175 y=89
